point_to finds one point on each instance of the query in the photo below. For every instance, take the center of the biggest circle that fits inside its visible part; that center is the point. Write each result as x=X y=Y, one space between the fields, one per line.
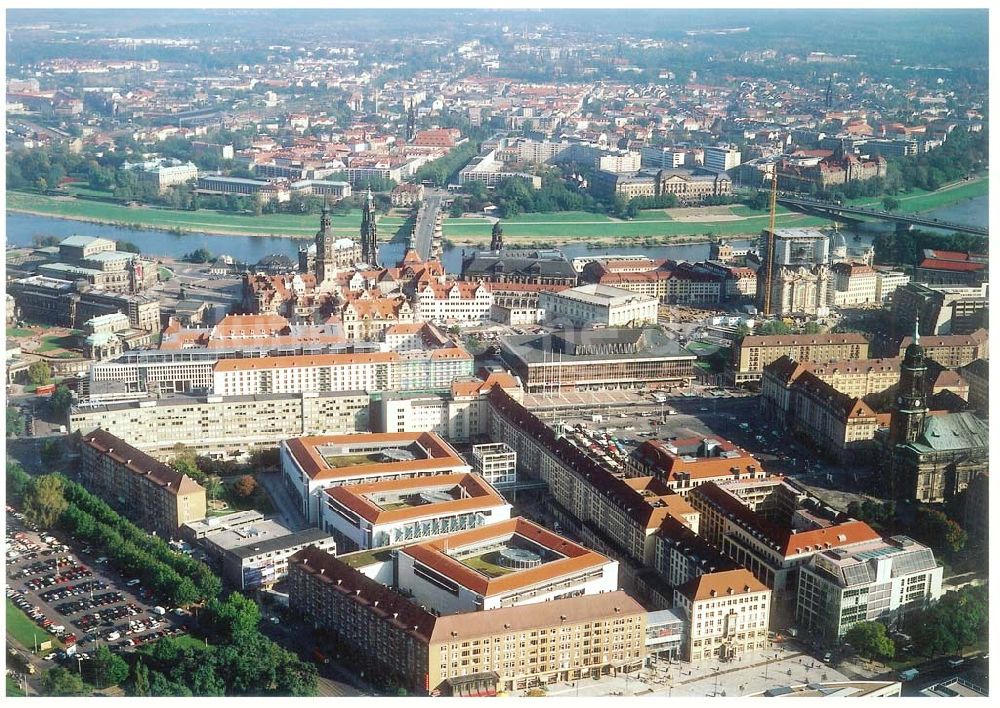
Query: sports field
x=20 y=626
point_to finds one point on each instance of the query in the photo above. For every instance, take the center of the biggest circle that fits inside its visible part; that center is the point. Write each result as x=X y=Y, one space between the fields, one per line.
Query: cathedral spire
x=496 y=240
x=916 y=330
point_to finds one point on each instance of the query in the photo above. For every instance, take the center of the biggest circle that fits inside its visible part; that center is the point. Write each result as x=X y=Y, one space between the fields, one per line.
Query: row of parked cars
x=76 y=572
x=74 y=606
x=105 y=617
x=60 y=593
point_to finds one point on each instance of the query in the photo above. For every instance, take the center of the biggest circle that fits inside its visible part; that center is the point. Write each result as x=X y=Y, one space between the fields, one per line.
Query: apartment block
x=953 y=350
x=227 y=427
x=149 y=493
x=753 y=352
x=466 y=654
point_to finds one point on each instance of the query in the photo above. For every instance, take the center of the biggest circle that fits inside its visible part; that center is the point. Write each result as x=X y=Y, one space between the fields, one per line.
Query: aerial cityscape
x=474 y=353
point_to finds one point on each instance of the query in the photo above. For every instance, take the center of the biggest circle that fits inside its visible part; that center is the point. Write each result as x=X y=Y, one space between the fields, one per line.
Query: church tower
x=325 y=261
x=910 y=409
x=411 y=123
x=496 y=240
x=369 y=234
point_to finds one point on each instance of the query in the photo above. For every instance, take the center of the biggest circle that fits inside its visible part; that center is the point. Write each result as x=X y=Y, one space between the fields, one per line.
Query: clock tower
x=910 y=408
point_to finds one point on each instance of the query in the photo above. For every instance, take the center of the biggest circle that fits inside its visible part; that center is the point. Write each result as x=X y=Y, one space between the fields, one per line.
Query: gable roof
x=726 y=583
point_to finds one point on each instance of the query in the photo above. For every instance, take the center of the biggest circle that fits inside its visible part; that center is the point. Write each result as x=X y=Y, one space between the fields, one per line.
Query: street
x=423 y=232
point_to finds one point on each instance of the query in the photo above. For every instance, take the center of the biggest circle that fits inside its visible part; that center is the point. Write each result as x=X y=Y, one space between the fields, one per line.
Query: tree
x=107 y=669
x=63 y=682
x=245 y=486
x=870 y=640
x=15 y=421
x=127 y=246
x=938 y=531
x=51 y=453
x=139 y=685
x=199 y=255
x=61 y=400
x=235 y=619
x=44 y=501
x=162 y=686
x=812 y=328
x=890 y=203
x=18 y=480
x=40 y=373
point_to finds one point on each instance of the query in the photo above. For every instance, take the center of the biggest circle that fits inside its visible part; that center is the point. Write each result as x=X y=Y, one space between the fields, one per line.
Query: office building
x=151 y=494
x=879 y=581
x=466 y=654
x=727 y=614
x=390 y=512
x=722 y=159
x=496 y=463
x=506 y=564
x=599 y=305
x=887 y=282
x=940 y=309
x=253 y=551
x=310 y=465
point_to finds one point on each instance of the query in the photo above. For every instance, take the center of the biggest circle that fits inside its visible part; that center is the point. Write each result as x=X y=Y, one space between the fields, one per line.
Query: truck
x=596 y=418
x=159 y=611
x=907 y=674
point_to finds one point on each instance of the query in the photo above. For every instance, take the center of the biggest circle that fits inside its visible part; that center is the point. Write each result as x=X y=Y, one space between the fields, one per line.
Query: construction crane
x=770 y=243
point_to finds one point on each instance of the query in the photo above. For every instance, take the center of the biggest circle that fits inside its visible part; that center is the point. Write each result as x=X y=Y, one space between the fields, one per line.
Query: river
x=21 y=228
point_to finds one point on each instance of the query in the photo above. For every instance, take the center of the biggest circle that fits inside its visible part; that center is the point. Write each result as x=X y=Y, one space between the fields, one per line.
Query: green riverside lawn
x=734 y=220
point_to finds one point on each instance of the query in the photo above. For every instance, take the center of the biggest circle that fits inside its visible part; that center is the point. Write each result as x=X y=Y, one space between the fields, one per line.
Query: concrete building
x=466 y=654
x=941 y=309
x=376 y=371
x=253 y=551
x=506 y=564
x=597 y=359
x=977 y=373
x=224 y=427
x=887 y=282
x=753 y=352
x=310 y=465
x=460 y=415
x=152 y=495
x=496 y=463
x=598 y=305
x=163 y=175
x=952 y=268
x=722 y=159
x=728 y=615
x=390 y=512
x=879 y=581
x=67 y=304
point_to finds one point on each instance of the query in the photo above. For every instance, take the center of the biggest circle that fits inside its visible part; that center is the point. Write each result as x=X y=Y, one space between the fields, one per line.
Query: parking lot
x=74 y=597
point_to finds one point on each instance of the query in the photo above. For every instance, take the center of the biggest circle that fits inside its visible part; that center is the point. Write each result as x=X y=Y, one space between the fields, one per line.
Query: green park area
x=13 y=688
x=26 y=632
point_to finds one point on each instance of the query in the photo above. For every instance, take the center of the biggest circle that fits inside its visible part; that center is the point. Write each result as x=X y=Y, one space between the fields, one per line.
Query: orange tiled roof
x=722 y=584
x=440 y=454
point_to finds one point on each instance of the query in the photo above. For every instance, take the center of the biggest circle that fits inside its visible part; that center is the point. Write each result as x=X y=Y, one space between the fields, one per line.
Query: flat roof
x=608 y=344
x=168 y=400
x=439 y=455
x=441 y=554
x=417 y=497
x=604 y=295
x=281 y=543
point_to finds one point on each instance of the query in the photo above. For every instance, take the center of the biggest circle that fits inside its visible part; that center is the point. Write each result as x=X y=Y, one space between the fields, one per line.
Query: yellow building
x=752 y=353
x=471 y=653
